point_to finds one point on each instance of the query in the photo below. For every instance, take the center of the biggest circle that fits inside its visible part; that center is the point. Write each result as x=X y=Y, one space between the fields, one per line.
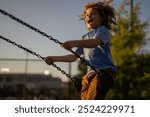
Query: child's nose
x=88 y=17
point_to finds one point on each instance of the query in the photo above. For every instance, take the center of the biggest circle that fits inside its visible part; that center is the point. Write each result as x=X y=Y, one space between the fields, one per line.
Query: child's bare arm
x=90 y=43
x=66 y=58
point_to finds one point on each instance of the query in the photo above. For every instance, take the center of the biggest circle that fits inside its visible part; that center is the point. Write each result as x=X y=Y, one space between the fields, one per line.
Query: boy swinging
x=95 y=45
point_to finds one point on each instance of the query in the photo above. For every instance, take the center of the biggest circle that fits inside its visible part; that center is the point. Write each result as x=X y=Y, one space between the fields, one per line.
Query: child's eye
x=91 y=14
x=87 y=14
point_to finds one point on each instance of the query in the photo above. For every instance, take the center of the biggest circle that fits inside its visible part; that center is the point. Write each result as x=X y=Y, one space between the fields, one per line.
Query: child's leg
x=95 y=87
x=106 y=82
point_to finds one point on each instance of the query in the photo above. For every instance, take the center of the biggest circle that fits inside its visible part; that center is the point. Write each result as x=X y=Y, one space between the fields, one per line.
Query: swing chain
x=29 y=26
x=33 y=53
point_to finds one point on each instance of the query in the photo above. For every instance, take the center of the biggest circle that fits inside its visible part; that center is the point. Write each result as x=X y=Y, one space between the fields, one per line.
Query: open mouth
x=90 y=21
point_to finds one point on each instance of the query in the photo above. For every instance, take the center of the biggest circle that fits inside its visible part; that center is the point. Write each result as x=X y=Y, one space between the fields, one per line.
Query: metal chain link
x=44 y=34
x=29 y=26
x=33 y=53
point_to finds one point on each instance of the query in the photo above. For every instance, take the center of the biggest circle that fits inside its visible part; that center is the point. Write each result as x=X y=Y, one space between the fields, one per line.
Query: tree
x=133 y=77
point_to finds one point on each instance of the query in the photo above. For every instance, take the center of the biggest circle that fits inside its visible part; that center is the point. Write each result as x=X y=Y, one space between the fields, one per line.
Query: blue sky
x=58 y=18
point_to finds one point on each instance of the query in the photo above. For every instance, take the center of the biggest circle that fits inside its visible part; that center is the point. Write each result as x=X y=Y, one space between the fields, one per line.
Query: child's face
x=92 y=19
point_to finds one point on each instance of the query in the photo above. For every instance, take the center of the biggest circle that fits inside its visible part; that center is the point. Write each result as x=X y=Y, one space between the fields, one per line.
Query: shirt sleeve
x=103 y=34
x=79 y=50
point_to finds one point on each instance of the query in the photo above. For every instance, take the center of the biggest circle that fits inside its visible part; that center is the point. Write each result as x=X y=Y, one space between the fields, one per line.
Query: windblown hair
x=106 y=12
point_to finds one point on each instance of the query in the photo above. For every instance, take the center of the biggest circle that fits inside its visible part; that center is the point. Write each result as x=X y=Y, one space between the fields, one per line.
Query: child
x=95 y=45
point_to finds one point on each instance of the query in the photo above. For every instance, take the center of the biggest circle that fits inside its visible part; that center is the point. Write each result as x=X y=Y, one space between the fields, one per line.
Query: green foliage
x=133 y=77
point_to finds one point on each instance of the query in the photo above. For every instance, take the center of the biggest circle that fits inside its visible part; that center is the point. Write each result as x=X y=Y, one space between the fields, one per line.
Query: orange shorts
x=95 y=86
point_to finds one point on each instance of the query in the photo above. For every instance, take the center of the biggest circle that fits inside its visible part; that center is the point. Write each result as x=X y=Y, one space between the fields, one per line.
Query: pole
x=26 y=63
x=25 y=76
x=69 y=83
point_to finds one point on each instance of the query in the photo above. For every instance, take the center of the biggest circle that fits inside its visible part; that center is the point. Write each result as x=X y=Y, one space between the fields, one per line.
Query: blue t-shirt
x=99 y=57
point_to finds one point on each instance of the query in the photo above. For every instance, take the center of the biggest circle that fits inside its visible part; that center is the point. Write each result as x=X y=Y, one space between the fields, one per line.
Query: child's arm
x=90 y=43
x=66 y=58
